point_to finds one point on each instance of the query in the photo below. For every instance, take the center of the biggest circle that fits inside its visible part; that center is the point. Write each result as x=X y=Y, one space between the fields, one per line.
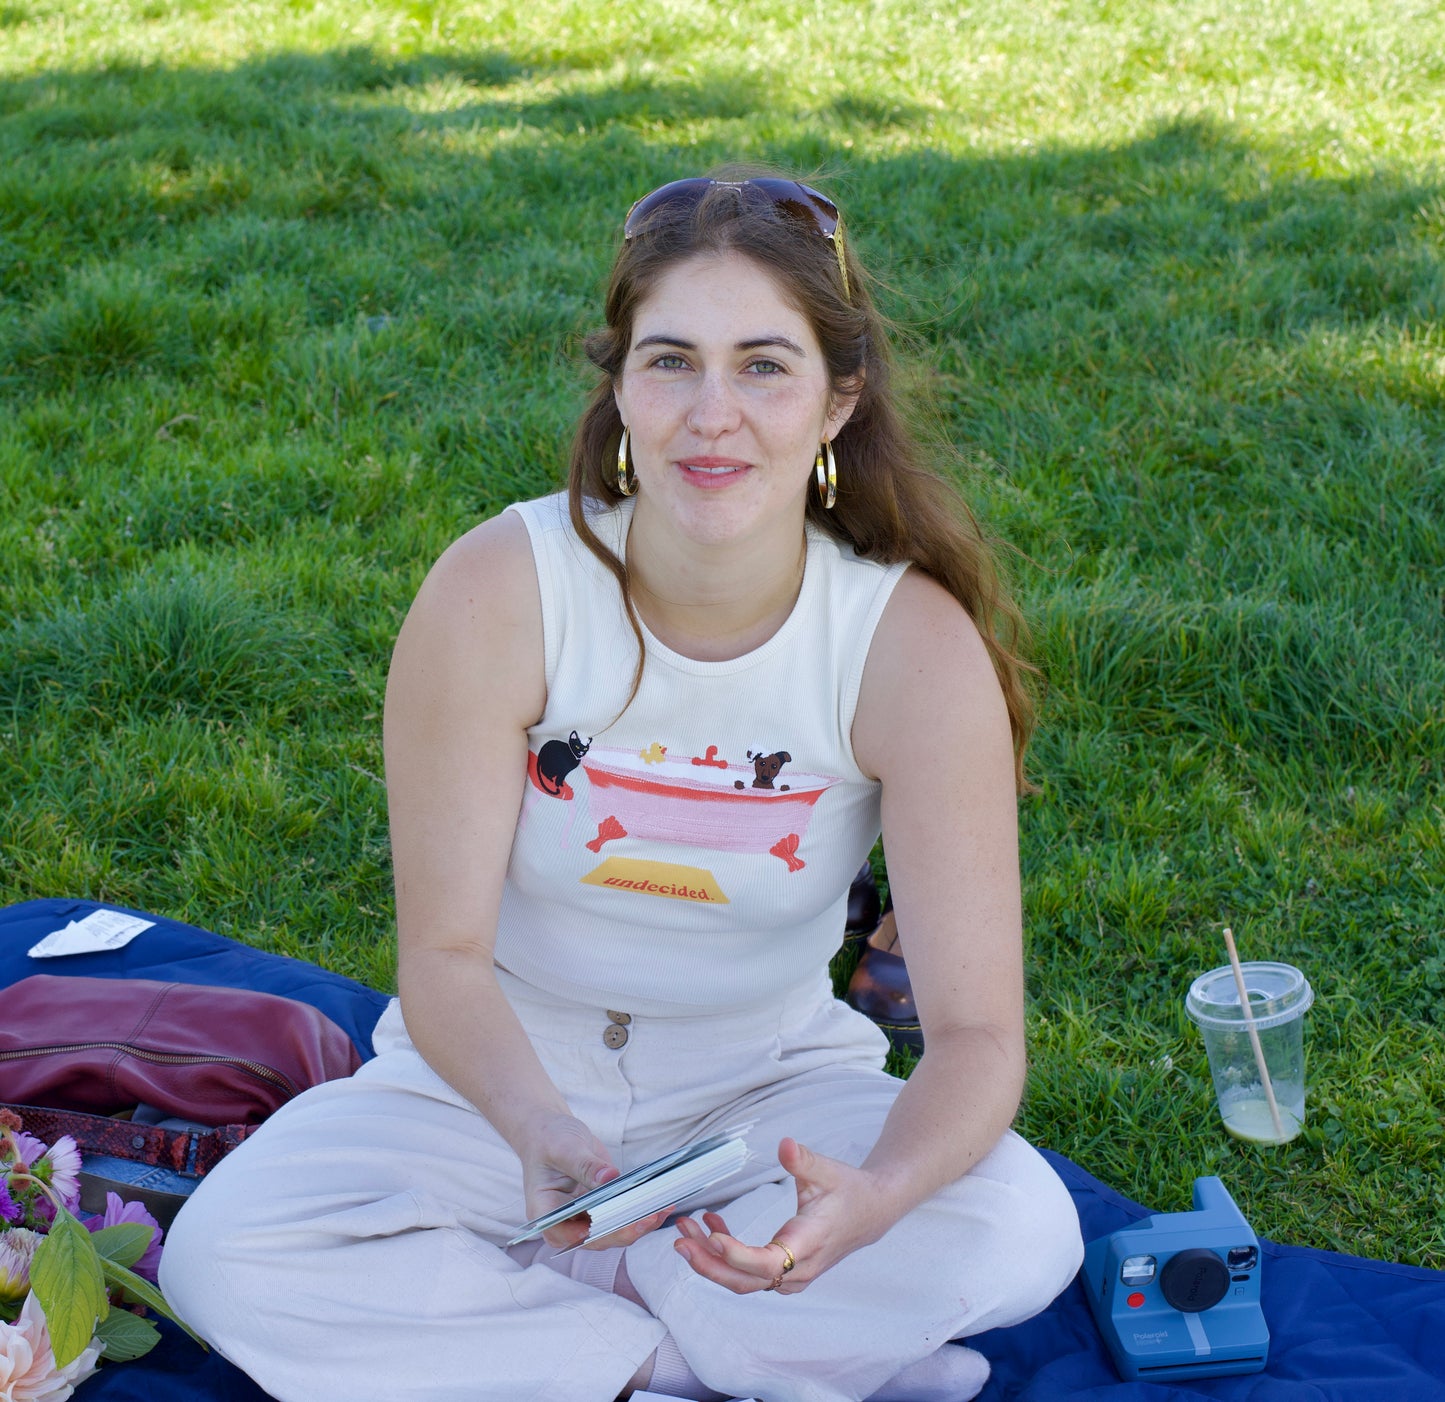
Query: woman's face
x=725 y=394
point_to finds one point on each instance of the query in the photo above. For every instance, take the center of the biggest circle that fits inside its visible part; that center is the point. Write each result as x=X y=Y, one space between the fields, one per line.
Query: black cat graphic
x=557 y=759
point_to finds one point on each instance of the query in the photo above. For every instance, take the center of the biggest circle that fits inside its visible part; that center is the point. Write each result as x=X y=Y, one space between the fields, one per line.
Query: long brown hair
x=892 y=503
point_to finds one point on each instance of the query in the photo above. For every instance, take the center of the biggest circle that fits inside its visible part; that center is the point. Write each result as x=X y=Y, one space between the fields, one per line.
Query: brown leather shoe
x=880 y=989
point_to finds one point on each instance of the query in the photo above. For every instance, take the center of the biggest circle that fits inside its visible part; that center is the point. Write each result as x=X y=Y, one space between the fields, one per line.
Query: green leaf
x=146 y=1293
x=126 y=1336
x=66 y=1278
x=125 y=1243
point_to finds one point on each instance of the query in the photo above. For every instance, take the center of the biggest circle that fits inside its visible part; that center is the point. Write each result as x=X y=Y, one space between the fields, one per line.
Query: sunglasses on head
x=789 y=197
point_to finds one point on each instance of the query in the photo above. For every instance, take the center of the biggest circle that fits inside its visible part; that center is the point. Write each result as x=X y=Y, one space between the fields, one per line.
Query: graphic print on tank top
x=751 y=807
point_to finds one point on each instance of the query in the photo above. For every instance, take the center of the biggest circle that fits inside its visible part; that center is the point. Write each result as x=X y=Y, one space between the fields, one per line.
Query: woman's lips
x=710 y=471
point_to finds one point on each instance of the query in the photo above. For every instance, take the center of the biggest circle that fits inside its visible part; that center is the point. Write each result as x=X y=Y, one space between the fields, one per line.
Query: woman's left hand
x=838 y=1211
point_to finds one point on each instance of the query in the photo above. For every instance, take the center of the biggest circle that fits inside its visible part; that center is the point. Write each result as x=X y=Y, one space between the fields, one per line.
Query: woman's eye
x=766 y=367
x=669 y=362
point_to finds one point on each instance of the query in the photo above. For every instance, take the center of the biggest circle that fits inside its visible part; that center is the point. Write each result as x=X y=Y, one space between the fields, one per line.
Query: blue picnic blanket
x=1342 y=1328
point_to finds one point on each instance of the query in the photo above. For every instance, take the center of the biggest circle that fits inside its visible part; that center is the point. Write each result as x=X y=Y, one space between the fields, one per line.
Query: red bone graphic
x=609 y=828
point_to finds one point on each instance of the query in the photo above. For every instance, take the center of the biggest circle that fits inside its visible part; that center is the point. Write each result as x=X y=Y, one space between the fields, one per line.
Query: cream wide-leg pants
x=352 y=1248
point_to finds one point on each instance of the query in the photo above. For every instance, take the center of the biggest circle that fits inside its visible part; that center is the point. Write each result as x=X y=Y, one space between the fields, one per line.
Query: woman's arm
x=932 y=726
x=466 y=681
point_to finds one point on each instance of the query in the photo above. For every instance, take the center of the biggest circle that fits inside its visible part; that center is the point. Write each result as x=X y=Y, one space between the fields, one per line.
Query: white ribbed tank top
x=695 y=852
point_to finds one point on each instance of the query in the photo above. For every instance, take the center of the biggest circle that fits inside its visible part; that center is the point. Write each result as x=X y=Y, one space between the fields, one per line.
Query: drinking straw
x=1253 y=1032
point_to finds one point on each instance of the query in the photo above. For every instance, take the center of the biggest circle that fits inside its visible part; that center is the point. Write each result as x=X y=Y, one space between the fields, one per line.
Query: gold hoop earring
x=825 y=471
x=626 y=478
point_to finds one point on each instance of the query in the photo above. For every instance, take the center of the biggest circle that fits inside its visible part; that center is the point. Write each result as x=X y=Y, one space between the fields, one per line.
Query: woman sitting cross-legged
x=639 y=737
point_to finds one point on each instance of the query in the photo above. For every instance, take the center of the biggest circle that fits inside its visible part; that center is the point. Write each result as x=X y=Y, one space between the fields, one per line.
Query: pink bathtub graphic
x=709 y=803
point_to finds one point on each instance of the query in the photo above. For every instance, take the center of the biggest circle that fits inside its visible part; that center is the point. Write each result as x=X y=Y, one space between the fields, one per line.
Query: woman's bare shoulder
x=919 y=600
x=492 y=559
x=928 y=668
x=476 y=623
x=927 y=636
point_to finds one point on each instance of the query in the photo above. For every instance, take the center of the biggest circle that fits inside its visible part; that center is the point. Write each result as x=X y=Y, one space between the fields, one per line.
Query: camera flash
x=1137 y=1270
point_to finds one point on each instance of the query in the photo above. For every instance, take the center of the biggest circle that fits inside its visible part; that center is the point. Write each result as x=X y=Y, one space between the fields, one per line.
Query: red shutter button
x=1135 y=1300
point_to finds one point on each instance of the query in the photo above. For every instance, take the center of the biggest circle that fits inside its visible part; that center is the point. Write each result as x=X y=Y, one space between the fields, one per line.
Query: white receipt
x=101 y=929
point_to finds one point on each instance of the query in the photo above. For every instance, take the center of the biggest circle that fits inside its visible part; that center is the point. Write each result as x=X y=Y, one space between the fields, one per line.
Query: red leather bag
x=218 y=1056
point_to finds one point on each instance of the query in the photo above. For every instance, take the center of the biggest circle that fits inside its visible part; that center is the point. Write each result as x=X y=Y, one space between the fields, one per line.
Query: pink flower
x=27 y=1365
x=63 y=1175
x=117 y=1210
x=30 y=1149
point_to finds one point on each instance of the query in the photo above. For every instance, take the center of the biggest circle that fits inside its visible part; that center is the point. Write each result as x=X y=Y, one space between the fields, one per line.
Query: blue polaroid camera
x=1177 y=1295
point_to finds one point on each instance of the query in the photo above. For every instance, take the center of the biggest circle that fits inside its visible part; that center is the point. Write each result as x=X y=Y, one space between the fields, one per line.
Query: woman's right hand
x=565 y=1159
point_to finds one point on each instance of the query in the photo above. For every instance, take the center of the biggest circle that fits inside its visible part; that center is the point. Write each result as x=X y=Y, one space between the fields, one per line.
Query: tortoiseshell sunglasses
x=791 y=197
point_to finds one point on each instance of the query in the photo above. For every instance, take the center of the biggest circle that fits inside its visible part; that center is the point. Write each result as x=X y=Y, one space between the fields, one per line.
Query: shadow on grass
x=1185 y=349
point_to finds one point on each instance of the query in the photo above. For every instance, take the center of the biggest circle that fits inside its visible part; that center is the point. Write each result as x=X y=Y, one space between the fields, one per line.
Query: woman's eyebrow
x=773 y=340
x=754 y=343
x=664 y=340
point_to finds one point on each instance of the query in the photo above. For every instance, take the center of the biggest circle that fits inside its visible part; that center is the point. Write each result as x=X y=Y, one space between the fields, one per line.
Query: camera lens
x=1194 y=1280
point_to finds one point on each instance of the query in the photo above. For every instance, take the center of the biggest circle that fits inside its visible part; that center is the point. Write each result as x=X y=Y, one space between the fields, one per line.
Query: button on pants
x=354 y=1246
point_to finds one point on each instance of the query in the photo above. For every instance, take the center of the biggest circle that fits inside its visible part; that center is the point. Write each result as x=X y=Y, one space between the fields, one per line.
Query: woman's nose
x=714 y=408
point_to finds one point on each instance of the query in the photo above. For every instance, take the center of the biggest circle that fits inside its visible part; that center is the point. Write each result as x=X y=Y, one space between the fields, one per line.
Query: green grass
x=290 y=296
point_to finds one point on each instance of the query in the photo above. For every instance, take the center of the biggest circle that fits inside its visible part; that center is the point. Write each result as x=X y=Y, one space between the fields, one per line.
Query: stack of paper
x=662 y=1183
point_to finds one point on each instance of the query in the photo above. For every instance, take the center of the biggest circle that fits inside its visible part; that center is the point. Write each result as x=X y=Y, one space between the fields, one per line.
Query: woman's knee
x=193 y=1274
x=1034 y=1243
x=1050 y=1246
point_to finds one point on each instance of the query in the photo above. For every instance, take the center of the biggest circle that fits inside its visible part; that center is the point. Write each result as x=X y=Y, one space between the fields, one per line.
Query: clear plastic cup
x=1279 y=995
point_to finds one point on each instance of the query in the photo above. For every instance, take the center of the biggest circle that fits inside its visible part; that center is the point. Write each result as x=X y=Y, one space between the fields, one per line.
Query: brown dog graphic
x=766 y=768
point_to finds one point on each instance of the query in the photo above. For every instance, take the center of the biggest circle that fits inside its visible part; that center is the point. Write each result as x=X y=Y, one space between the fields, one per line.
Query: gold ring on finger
x=788 y=1261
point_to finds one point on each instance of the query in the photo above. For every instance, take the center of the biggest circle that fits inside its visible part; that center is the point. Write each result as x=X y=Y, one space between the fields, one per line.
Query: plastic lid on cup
x=1277 y=993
